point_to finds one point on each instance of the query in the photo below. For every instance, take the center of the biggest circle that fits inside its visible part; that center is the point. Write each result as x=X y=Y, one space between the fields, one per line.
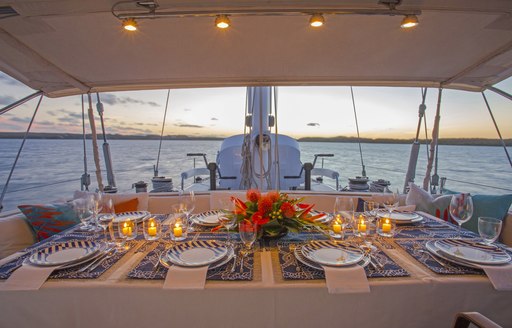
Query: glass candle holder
x=362 y=226
x=337 y=227
x=152 y=229
x=127 y=229
x=386 y=227
x=179 y=227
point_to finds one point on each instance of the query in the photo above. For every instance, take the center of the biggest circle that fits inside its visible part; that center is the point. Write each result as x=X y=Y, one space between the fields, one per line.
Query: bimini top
x=66 y=47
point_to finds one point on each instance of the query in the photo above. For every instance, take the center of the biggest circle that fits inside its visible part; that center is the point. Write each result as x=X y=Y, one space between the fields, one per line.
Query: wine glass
x=95 y=206
x=188 y=203
x=391 y=203
x=248 y=231
x=461 y=209
x=344 y=205
x=82 y=211
x=489 y=229
x=107 y=216
x=227 y=217
x=370 y=212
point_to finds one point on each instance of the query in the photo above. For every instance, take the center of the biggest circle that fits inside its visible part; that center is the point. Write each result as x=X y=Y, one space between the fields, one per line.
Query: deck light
x=409 y=21
x=222 y=21
x=316 y=20
x=130 y=24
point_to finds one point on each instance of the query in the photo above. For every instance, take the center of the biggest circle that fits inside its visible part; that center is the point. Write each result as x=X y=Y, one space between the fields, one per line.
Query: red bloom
x=288 y=210
x=265 y=204
x=240 y=206
x=273 y=195
x=258 y=218
x=253 y=195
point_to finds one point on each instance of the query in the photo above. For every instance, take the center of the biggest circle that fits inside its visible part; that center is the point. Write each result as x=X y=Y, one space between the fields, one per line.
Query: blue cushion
x=495 y=206
x=49 y=219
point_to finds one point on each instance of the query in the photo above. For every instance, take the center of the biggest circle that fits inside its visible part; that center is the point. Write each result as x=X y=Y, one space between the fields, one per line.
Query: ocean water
x=49 y=170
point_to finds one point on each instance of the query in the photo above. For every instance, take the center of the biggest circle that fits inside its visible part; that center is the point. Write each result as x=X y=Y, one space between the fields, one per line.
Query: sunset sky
x=302 y=111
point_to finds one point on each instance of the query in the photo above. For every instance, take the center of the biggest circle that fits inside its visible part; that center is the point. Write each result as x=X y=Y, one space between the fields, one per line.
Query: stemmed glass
x=370 y=211
x=107 y=216
x=82 y=211
x=226 y=217
x=187 y=204
x=344 y=204
x=489 y=229
x=461 y=209
x=391 y=203
x=95 y=206
x=248 y=231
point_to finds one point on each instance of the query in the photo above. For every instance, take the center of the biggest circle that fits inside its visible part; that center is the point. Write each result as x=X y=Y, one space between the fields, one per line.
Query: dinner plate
x=197 y=253
x=472 y=253
x=164 y=260
x=137 y=216
x=64 y=253
x=431 y=247
x=210 y=218
x=299 y=256
x=328 y=253
x=402 y=218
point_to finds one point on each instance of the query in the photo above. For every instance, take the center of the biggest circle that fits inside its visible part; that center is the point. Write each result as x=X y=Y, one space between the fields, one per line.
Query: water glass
x=228 y=221
x=248 y=231
x=95 y=206
x=391 y=202
x=107 y=216
x=82 y=211
x=344 y=205
x=152 y=229
x=461 y=209
x=116 y=237
x=489 y=229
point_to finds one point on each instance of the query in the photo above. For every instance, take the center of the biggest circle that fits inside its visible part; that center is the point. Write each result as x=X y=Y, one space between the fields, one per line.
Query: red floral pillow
x=49 y=219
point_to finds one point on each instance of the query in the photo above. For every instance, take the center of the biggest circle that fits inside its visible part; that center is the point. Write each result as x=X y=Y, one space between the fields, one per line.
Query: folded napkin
x=27 y=277
x=500 y=276
x=11 y=257
x=185 y=278
x=346 y=280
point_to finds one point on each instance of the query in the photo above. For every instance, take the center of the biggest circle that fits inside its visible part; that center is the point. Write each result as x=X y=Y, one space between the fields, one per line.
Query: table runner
x=292 y=269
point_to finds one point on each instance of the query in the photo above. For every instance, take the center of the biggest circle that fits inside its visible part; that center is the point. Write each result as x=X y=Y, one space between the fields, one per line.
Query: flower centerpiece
x=274 y=213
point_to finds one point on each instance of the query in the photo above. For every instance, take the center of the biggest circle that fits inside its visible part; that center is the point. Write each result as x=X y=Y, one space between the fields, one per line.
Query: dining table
x=401 y=284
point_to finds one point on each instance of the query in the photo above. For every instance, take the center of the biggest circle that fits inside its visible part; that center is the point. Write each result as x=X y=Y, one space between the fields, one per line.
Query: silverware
x=242 y=264
x=235 y=258
x=432 y=256
x=109 y=255
x=93 y=262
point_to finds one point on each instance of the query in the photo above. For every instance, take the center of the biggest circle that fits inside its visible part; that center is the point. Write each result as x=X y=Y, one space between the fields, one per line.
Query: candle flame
x=125 y=225
x=387 y=220
x=152 y=224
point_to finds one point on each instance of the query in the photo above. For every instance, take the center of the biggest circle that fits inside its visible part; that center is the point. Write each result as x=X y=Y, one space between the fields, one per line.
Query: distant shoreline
x=340 y=139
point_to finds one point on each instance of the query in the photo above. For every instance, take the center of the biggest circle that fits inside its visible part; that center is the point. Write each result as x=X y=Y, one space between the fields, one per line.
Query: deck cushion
x=425 y=202
x=49 y=219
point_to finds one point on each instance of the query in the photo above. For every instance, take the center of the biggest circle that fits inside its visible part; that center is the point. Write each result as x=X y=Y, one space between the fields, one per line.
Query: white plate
x=326 y=218
x=209 y=218
x=431 y=247
x=466 y=252
x=64 y=253
x=197 y=253
x=164 y=260
x=401 y=217
x=299 y=256
x=136 y=216
x=328 y=253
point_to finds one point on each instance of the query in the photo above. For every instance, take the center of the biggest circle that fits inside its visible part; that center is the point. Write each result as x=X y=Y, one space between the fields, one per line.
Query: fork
x=418 y=249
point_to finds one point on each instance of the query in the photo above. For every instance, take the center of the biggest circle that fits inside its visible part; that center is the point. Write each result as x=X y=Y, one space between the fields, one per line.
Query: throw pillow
x=425 y=202
x=47 y=220
x=127 y=206
x=495 y=206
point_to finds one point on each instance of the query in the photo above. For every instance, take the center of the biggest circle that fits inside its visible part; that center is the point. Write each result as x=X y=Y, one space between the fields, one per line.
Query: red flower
x=265 y=204
x=253 y=195
x=240 y=207
x=288 y=210
x=273 y=195
x=258 y=218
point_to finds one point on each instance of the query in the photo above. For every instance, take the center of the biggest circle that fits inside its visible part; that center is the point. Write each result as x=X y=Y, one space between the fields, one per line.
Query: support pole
x=155 y=168
x=111 y=187
x=19 y=152
x=94 y=137
x=85 y=179
x=433 y=144
x=20 y=102
x=497 y=129
x=363 y=173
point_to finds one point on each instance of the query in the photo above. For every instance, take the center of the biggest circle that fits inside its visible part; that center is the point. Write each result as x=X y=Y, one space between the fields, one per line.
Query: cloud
x=187 y=110
x=184 y=125
x=6 y=79
x=111 y=99
x=313 y=124
x=214 y=119
x=21 y=119
x=7 y=100
x=69 y=119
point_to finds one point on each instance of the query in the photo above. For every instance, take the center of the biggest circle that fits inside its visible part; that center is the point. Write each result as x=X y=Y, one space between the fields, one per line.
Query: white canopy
x=66 y=47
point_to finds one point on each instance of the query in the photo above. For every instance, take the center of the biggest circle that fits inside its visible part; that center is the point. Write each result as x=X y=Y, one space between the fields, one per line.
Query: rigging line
x=86 y=178
x=276 y=147
x=479 y=184
x=19 y=152
x=155 y=168
x=94 y=137
x=357 y=127
x=44 y=185
x=497 y=129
